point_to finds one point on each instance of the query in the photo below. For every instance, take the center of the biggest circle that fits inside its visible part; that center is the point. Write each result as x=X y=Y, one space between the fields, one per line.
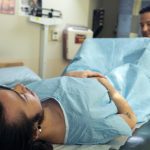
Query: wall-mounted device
x=44 y=12
x=45 y=20
x=98 y=21
x=73 y=37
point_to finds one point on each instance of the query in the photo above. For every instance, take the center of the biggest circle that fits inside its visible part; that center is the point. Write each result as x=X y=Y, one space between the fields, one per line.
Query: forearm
x=122 y=105
x=124 y=109
x=112 y=91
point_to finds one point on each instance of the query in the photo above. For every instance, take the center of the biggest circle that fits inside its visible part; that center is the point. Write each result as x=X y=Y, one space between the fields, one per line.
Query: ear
x=37 y=132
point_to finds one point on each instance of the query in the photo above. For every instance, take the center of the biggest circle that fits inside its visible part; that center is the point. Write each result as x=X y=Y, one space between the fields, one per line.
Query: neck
x=53 y=126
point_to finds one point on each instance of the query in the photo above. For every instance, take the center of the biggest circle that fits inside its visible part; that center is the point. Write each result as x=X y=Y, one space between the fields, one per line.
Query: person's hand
x=84 y=74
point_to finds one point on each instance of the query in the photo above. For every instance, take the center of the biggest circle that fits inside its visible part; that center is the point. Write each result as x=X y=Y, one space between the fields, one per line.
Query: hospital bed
x=115 y=58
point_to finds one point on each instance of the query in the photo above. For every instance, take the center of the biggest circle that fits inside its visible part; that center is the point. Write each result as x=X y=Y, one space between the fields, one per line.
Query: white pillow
x=10 y=76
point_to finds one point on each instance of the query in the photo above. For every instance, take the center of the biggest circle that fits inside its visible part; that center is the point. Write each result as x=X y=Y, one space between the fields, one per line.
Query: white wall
x=20 y=39
x=74 y=12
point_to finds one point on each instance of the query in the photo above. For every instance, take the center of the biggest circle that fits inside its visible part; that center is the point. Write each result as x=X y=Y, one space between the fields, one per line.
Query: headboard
x=10 y=64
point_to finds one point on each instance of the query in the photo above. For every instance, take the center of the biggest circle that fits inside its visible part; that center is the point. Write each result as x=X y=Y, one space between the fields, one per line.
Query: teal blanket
x=126 y=63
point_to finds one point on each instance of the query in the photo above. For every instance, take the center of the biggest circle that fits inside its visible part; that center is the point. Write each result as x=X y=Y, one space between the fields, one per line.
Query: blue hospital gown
x=90 y=115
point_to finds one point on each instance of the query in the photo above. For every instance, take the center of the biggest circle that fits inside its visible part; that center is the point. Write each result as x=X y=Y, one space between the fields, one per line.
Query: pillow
x=10 y=76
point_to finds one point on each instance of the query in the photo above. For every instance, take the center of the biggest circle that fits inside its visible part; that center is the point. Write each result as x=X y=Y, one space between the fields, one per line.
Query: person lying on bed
x=77 y=109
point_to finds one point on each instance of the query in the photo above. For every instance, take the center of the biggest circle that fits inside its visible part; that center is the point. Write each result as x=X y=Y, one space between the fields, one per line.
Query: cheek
x=12 y=111
x=35 y=103
x=33 y=99
x=33 y=107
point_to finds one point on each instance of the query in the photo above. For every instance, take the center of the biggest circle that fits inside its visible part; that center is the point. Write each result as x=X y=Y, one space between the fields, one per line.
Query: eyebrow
x=147 y=21
x=3 y=87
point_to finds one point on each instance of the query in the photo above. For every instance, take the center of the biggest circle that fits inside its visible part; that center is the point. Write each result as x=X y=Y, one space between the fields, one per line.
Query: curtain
x=128 y=19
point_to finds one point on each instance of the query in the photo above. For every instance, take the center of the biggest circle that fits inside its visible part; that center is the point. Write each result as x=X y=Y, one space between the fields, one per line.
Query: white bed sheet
x=113 y=145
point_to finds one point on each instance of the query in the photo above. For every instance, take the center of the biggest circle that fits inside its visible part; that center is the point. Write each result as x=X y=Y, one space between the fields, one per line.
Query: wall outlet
x=55 y=35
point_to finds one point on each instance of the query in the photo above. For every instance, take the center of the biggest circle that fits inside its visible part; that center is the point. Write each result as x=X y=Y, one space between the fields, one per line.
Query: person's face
x=19 y=100
x=34 y=2
x=145 y=24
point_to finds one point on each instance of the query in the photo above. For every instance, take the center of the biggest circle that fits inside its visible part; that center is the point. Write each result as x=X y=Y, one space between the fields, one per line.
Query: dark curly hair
x=144 y=10
x=18 y=135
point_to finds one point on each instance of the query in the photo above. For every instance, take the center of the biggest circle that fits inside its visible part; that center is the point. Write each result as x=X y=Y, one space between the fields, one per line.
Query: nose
x=20 y=88
x=144 y=28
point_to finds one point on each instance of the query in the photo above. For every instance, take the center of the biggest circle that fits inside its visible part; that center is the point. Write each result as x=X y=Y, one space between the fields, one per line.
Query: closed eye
x=22 y=96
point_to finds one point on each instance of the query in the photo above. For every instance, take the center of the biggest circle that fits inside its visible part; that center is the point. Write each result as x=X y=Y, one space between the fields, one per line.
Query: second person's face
x=145 y=24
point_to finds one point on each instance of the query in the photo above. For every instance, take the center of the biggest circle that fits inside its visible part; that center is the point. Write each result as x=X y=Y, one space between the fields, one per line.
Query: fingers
x=84 y=74
x=94 y=74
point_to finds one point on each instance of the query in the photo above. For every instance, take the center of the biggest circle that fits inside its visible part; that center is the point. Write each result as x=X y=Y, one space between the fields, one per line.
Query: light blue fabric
x=104 y=55
x=10 y=76
x=90 y=115
x=126 y=63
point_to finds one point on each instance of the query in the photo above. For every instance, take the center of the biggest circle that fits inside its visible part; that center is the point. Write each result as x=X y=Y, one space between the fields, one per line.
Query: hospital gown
x=90 y=115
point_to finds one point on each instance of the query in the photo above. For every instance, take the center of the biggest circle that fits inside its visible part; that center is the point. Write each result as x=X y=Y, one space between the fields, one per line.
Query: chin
x=146 y=35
